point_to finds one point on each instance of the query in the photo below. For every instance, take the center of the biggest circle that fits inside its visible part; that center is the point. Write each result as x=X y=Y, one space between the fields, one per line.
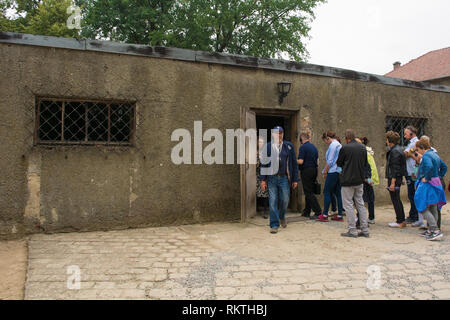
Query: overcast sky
x=370 y=35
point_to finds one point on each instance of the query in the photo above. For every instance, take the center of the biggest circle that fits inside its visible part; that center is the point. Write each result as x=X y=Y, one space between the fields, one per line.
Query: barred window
x=67 y=121
x=398 y=124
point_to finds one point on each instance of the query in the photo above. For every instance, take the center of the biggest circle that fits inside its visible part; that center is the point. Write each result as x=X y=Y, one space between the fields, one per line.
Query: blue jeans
x=332 y=188
x=278 y=198
x=413 y=214
x=333 y=203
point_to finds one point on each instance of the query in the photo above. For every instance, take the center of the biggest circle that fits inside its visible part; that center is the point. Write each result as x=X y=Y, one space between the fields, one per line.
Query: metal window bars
x=84 y=122
x=398 y=124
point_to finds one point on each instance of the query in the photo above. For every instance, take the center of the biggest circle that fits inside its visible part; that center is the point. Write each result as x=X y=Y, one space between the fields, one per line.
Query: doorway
x=266 y=119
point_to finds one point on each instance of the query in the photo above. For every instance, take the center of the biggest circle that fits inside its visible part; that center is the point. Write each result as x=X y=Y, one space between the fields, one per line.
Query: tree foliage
x=132 y=21
x=256 y=28
x=46 y=17
x=266 y=28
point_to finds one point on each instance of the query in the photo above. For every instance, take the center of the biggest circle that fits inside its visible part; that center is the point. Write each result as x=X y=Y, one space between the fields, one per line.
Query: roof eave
x=208 y=57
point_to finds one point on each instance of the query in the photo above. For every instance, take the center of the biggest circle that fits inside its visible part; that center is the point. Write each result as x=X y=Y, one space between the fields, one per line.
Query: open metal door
x=248 y=170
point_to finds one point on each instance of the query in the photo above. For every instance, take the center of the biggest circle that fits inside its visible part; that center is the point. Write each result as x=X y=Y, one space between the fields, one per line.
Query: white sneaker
x=393 y=225
x=397 y=225
x=418 y=224
x=371 y=221
x=332 y=214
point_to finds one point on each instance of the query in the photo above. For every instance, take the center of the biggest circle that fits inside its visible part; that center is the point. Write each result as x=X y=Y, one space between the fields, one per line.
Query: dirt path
x=13 y=265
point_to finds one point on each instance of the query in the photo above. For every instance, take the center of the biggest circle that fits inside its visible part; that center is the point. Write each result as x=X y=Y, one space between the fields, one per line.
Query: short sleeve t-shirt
x=309 y=154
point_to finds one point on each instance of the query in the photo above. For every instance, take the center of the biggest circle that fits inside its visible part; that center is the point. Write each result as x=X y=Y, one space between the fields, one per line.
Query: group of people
x=350 y=173
x=424 y=171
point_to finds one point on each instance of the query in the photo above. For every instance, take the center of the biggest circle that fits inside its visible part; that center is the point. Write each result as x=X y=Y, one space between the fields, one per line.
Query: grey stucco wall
x=92 y=188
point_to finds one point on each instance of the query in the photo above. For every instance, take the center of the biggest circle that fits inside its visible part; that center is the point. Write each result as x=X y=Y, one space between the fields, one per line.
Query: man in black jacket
x=395 y=171
x=353 y=161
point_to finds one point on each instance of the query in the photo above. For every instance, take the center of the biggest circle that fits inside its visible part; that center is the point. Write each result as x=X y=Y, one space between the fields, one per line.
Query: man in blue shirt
x=308 y=156
x=282 y=174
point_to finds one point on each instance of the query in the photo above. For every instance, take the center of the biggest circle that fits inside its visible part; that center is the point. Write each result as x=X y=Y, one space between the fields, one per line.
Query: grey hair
x=426 y=138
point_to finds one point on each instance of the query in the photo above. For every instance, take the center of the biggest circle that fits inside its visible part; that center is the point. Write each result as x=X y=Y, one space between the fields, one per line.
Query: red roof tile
x=433 y=65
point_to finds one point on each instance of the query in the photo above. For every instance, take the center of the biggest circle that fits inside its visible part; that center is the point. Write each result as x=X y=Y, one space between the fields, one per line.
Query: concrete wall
x=93 y=188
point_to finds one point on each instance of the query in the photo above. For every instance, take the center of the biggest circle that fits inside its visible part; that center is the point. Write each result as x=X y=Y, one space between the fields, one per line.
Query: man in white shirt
x=410 y=133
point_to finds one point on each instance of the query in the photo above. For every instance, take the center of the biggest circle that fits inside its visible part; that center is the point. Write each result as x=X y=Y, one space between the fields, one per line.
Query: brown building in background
x=86 y=128
x=433 y=67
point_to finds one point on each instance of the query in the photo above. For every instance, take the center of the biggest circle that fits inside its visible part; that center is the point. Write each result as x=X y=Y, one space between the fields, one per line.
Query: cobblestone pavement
x=181 y=263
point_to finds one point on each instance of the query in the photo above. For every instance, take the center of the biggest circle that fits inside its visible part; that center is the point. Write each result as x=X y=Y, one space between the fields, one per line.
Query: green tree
x=132 y=21
x=266 y=28
x=46 y=17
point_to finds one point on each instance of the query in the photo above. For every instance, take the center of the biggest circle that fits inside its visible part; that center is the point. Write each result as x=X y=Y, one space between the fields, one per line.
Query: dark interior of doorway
x=268 y=122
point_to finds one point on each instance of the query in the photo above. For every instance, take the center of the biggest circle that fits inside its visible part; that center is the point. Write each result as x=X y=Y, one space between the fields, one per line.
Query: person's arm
x=332 y=157
x=326 y=169
x=407 y=152
x=368 y=171
x=341 y=158
x=264 y=164
x=395 y=162
x=442 y=169
x=329 y=160
x=301 y=156
x=295 y=176
x=426 y=169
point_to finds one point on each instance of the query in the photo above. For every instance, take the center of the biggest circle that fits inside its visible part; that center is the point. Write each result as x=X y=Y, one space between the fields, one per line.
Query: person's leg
x=333 y=203
x=413 y=214
x=315 y=206
x=370 y=195
x=434 y=211
x=420 y=220
x=284 y=190
x=357 y=214
x=439 y=219
x=347 y=201
x=431 y=220
x=273 y=202
x=398 y=205
x=371 y=207
x=432 y=216
x=338 y=195
x=266 y=205
x=327 y=194
x=359 y=203
x=394 y=203
x=439 y=210
x=306 y=188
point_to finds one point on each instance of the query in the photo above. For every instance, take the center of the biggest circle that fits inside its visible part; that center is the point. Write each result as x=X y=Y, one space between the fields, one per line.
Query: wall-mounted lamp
x=283 y=88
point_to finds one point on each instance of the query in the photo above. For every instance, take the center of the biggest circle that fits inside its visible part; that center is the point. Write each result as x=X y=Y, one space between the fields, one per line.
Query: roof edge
x=208 y=57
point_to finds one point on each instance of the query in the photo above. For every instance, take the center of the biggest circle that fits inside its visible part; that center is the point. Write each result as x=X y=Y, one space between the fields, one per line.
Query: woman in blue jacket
x=430 y=194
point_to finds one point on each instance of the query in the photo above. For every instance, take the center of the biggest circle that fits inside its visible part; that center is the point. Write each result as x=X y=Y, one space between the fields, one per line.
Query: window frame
x=408 y=120
x=62 y=142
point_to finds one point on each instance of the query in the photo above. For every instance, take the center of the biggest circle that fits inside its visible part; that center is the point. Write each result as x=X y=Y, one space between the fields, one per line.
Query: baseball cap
x=277 y=129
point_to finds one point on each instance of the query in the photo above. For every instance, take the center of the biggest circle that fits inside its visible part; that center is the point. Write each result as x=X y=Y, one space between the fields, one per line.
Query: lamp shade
x=284 y=87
